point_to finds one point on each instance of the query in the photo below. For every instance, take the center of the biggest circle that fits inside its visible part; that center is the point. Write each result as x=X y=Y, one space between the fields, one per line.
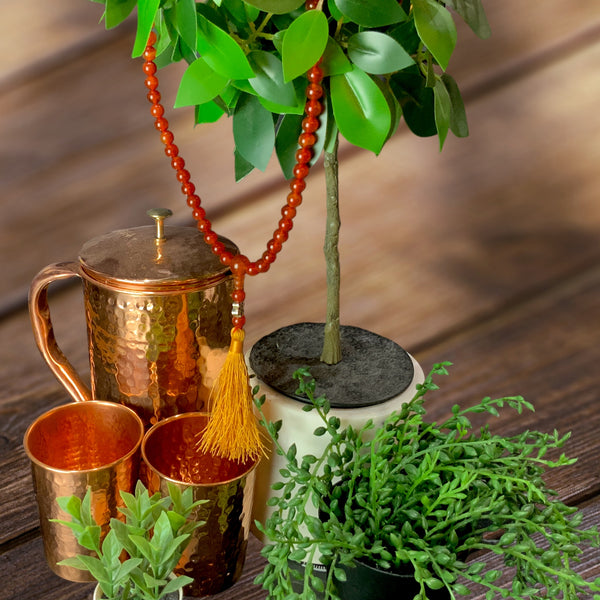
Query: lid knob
x=159 y=215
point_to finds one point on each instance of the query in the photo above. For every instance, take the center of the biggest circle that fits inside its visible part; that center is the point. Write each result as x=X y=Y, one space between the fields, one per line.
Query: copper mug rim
x=251 y=464
x=81 y=406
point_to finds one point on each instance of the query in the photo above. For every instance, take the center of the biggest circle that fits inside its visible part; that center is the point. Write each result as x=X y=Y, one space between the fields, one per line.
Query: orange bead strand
x=239 y=264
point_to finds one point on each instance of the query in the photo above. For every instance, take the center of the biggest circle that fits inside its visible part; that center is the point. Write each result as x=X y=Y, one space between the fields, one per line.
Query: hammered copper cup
x=72 y=447
x=215 y=555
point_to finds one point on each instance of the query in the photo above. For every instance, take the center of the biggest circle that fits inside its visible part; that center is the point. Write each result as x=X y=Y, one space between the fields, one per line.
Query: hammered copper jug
x=158 y=312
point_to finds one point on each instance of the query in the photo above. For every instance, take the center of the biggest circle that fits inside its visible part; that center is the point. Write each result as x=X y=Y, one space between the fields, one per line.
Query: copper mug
x=158 y=312
x=215 y=554
x=74 y=447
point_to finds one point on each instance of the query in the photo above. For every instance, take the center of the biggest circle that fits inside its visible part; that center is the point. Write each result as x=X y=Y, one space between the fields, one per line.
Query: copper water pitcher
x=158 y=312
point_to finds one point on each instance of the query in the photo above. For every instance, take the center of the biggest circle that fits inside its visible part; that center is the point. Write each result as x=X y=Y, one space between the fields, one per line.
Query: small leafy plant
x=154 y=534
x=418 y=497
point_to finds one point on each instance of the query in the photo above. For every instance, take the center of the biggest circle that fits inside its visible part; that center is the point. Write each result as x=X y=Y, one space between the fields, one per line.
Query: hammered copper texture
x=73 y=447
x=215 y=556
x=158 y=354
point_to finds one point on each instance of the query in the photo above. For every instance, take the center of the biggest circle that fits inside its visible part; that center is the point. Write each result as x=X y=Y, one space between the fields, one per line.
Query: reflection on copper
x=215 y=556
x=85 y=444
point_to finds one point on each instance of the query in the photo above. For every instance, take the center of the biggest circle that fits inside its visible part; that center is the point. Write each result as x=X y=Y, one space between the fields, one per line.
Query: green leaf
x=117 y=11
x=458 y=116
x=377 y=53
x=221 y=52
x=286 y=143
x=473 y=15
x=199 y=84
x=304 y=43
x=209 y=112
x=147 y=10
x=361 y=111
x=334 y=60
x=185 y=20
x=372 y=14
x=242 y=166
x=442 y=110
x=436 y=29
x=277 y=7
x=253 y=131
x=268 y=80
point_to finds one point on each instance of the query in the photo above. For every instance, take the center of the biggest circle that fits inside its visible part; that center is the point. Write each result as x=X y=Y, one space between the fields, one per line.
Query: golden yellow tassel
x=232 y=431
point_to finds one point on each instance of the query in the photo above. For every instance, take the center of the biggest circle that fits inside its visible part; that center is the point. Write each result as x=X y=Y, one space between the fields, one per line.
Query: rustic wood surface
x=486 y=255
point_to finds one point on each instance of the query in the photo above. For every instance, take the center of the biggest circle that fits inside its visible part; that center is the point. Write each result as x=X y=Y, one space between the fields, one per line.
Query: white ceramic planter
x=298 y=427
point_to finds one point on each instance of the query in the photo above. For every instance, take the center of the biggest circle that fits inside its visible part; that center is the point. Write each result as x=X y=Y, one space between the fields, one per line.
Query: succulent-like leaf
x=277 y=7
x=436 y=28
x=199 y=84
x=221 y=52
x=442 y=110
x=371 y=14
x=304 y=43
x=117 y=11
x=253 y=131
x=147 y=10
x=361 y=111
x=473 y=15
x=377 y=53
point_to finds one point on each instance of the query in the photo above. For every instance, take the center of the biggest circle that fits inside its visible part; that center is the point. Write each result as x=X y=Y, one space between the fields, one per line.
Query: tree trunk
x=332 y=353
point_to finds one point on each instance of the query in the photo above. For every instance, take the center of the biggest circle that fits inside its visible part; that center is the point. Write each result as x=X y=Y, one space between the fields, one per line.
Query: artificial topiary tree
x=383 y=61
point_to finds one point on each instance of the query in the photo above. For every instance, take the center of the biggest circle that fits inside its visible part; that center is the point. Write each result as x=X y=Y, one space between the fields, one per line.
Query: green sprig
x=421 y=496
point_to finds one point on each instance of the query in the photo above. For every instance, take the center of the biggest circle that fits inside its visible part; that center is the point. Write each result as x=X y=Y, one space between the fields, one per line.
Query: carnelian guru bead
x=238 y=295
x=280 y=236
x=173 y=151
x=297 y=185
x=238 y=322
x=274 y=246
x=188 y=188
x=166 y=137
x=199 y=213
x=204 y=225
x=183 y=175
x=314 y=91
x=307 y=140
x=315 y=74
x=149 y=68
x=153 y=96
x=161 y=124
x=289 y=212
x=310 y=124
x=151 y=82
x=313 y=108
x=301 y=171
x=225 y=258
x=294 y=199
x=177 y=162
x=211 y=238
x=303 y=155
x=285 y=224
x=157 y=110
x=193 y=202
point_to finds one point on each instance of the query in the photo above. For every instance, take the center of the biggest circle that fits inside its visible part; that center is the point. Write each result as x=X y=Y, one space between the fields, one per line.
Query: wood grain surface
x=486 y=255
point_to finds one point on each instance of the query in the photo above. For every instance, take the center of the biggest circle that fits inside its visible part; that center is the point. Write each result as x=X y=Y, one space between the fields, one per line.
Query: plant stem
x=332 y=352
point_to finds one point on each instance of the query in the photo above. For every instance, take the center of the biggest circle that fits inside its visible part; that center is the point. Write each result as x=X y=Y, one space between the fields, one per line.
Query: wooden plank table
x=486 y=255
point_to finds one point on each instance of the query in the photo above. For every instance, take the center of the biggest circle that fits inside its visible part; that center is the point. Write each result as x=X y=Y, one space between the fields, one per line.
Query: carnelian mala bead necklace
x=232 y=431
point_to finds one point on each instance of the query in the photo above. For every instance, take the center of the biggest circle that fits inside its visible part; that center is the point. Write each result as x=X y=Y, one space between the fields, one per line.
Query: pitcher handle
x=39 y=311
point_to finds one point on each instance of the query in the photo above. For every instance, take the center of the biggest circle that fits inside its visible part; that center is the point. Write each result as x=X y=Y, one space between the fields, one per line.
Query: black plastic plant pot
x=364 y=582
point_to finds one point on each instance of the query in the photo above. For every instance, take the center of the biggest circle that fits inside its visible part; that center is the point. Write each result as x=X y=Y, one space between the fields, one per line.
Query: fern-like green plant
x=419 y=497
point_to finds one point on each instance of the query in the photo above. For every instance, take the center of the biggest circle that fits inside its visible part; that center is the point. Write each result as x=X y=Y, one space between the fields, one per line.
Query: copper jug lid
x=154 y=257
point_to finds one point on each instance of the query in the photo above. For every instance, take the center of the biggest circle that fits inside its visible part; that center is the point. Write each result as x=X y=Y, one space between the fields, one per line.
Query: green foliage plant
x=154 y=534
x=454 y=506
x=383 y=60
